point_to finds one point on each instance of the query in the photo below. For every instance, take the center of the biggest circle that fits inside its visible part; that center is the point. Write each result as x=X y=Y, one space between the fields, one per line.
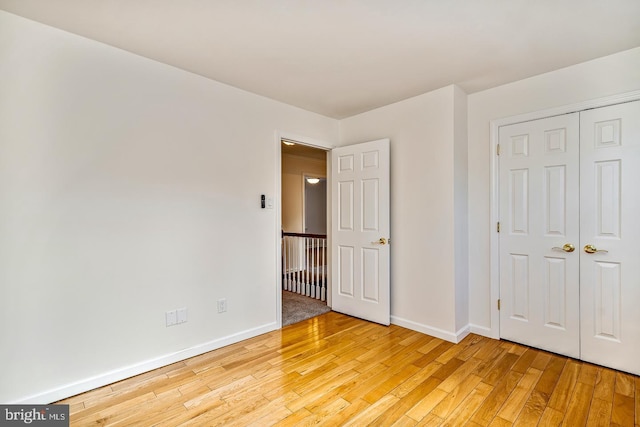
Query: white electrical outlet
x=171 y=317
x=182 y=315
x=222 y=305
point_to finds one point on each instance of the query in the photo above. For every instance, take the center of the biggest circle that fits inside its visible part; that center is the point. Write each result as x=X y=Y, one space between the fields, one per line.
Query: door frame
x=494 y=330
x=323 y=145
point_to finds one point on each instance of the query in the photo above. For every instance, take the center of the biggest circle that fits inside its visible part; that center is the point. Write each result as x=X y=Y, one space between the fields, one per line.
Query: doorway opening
x=304 y=231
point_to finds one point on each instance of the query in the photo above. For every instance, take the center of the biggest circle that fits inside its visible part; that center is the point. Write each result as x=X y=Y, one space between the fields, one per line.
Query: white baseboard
x=462 y=333
x=482 y=330
x=111 y=377
x=454 y=337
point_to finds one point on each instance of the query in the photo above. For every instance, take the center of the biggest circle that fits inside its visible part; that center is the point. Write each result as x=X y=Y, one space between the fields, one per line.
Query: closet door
x=610 y=236
x=539 y=232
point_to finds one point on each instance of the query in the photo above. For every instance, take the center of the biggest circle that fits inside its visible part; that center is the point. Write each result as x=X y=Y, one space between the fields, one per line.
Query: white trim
x=120 y=374
x=481 y=330
x=462 y=333
x=280 y=135
x=571 y=108
x=494 y=237
x=430 y=330
x=494 y=199
x=277 y=199
x=329 y=228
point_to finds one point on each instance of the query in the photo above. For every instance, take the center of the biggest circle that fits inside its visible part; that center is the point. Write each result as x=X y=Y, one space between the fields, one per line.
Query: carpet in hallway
x=296 y=308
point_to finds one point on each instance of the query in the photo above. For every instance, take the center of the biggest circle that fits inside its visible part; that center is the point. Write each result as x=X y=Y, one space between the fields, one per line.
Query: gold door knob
x=567 y=247
x=590 y=249
x=381 y=241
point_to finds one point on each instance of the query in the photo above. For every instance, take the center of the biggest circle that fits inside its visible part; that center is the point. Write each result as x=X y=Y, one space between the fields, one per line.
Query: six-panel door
x=610 y=225
x=539 y=202
x=570 y=216
x=360 y=231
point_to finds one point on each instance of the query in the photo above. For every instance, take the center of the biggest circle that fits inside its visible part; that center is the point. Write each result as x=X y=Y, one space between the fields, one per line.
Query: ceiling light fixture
x=287 y=142
x=313 y=180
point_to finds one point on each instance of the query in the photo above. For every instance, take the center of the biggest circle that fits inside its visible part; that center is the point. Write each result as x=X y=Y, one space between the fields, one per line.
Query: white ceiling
x=342 y=57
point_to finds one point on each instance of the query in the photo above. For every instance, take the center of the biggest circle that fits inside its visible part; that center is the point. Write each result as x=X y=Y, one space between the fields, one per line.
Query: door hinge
x=498 y=304
x=497 y=149
x=498 y=226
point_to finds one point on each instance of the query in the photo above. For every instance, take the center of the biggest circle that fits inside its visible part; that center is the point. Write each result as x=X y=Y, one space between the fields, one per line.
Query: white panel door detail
x=360 y=231
x=610 y=223
x=539 y=202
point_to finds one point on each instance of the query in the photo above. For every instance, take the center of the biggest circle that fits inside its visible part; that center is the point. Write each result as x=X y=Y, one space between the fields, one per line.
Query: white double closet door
x=570 y=235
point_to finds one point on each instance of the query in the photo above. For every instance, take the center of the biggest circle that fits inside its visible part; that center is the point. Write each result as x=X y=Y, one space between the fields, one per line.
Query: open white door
x=360 y=231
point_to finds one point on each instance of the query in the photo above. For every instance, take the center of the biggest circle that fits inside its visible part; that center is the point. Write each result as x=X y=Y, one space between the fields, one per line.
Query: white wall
x=424 y=158
x=610 y=75
x=128 y=188
x=461 y=224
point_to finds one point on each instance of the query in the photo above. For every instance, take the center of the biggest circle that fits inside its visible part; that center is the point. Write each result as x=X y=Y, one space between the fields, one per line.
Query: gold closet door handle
x=590 y=249
x=567 y=247
x=381 y=241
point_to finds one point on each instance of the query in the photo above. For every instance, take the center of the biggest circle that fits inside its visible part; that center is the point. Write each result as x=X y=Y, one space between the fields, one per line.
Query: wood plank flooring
x=336 y=370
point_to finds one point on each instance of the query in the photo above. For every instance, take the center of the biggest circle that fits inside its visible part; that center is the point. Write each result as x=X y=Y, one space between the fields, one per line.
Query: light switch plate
x=182 y=315
x=171 y=317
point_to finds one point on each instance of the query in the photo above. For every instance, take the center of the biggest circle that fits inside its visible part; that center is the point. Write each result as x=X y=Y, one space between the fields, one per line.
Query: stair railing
x=304 y=264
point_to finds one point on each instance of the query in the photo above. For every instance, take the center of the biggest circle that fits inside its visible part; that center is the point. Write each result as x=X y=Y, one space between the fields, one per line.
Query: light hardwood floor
x=337 y=370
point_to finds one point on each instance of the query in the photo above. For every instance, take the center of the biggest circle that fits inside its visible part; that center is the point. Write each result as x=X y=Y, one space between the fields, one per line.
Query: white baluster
x=312 y=294
x=297 y=270
x=284 y=262
x=323 y=266
x=307 y=290
x=289 y=262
